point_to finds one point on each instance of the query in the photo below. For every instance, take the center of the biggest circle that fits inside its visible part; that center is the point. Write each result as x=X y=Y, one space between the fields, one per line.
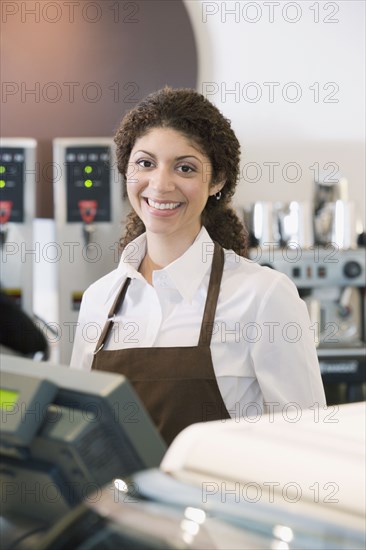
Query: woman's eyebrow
x=145 y=152
x=176 y=158
x=186 y=157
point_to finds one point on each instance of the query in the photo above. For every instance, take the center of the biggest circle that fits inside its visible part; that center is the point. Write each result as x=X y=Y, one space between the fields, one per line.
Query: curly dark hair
x=191 y=114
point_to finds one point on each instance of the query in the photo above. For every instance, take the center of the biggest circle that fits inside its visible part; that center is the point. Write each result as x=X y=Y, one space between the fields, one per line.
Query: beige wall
x=304 y=43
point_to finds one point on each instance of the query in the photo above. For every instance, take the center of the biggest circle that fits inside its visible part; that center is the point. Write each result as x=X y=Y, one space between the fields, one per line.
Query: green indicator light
x=2 y=169
x=2 y=184
x=88 y=169
x=8 y=398
x=88 y=183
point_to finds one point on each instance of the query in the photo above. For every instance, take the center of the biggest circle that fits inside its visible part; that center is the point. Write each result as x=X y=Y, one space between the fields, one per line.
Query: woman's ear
x=216 y=187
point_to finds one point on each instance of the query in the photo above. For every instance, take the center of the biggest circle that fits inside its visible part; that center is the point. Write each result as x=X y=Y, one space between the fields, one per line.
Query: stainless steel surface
x=334 y=214
x=261 y=221
x=280 y=223
x=295 y=223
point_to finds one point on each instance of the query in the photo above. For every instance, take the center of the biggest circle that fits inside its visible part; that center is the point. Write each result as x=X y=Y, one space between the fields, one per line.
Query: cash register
x=64 y=435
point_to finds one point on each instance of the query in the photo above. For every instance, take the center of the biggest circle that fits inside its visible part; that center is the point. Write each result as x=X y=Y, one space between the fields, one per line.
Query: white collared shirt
x=262 y=346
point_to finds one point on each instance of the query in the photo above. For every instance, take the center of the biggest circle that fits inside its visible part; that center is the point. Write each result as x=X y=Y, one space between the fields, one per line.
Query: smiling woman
x=201 y=332
x=207 y=144
x=169 y=191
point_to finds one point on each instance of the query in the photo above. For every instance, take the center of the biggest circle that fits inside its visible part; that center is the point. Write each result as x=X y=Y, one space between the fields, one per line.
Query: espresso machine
x=317 y=248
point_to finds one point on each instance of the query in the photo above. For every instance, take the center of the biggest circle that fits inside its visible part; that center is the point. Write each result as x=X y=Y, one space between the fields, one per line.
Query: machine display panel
x=12 y=183
x=88 y=172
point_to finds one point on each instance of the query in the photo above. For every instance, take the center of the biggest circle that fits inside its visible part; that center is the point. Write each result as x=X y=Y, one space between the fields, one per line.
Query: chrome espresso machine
x=316 y=246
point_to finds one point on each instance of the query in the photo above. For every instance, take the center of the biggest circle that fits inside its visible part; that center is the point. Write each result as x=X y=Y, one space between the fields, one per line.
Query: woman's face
x=168 y=183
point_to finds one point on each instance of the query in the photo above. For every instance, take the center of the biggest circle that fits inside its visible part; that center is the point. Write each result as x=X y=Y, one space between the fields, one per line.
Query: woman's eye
x=144 y=163
x=186 y=169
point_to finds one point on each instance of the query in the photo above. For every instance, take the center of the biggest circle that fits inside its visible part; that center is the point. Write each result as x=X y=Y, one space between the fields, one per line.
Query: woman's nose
x=161 y=179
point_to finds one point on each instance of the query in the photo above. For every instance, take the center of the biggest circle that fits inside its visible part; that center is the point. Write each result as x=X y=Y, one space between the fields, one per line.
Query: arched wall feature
x=73 y=69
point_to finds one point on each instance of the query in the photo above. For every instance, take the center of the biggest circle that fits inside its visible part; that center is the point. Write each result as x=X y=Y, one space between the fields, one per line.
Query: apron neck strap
x=217 y=269
x=109 y=323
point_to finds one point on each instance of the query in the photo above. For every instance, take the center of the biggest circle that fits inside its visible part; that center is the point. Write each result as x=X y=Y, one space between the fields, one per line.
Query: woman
x=201 y=332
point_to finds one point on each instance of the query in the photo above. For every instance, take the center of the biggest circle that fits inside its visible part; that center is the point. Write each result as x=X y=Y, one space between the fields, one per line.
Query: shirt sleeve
x=284 y=357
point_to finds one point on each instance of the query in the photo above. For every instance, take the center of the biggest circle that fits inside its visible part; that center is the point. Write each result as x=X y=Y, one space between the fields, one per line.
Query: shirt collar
x=185 y=273
x=132 y=256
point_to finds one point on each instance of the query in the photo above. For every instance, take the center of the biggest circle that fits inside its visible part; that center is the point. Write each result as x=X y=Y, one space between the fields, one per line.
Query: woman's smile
x=155 y=204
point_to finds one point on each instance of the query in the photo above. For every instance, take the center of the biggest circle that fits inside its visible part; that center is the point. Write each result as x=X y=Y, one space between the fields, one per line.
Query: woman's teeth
x=163 y=205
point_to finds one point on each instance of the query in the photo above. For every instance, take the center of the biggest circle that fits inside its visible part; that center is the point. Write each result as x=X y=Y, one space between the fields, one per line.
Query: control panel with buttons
x=88 y=172
x=18 y=169
x=12 y=184
x=316 y=267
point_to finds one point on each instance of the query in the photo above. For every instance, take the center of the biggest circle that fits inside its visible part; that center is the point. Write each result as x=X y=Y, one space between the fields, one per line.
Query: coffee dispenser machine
x=82 y=243
x=17 y=212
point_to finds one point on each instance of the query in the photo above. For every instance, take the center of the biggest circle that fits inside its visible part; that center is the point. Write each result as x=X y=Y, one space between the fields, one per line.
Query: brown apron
x=176 y=384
